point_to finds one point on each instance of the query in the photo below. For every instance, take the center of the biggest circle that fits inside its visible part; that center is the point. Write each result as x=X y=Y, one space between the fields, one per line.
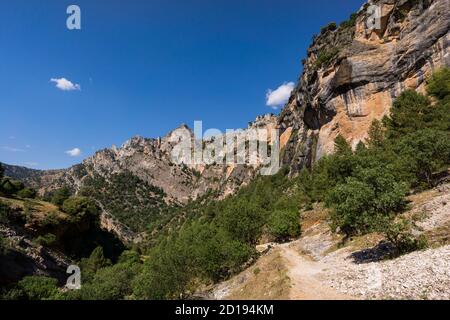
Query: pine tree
x=376 y=135
x=341 y=146
x=360 y=147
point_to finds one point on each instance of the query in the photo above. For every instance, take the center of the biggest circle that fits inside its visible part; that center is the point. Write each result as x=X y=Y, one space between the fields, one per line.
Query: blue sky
x=143 y=68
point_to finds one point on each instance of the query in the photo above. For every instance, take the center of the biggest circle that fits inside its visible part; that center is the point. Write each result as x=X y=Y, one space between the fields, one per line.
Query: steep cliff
x=353 y=73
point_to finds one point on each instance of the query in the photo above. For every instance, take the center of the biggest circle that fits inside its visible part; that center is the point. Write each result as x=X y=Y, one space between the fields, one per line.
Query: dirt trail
x=315 y=267
x=304 y=275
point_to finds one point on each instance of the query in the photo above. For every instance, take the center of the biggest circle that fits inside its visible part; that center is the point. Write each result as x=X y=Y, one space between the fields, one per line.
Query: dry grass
x=267 y=279
x=439 y=236
x=422 y=197
x=312 y=217
x=38 y=209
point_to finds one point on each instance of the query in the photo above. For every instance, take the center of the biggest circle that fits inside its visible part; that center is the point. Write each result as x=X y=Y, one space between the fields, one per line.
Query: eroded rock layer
x=353 y=73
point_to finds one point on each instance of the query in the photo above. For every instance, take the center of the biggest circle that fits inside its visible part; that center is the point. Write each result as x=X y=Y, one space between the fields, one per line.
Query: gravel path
x=303 y=274
x=418 y=275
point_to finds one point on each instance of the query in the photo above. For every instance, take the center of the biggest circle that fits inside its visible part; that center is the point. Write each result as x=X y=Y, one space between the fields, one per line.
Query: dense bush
x=243 y=220
x=324 y=57
x=399 y=232
x=46 y=240
x=438 y=85
x=128 y=198
x=103 y=281
x=36 y=288
x=425 y=152
x=80 y=206
x=284 y=224
x=360 y=202
x=60 y=195
x=329 y=27
x=10 y=187
x=26 y=193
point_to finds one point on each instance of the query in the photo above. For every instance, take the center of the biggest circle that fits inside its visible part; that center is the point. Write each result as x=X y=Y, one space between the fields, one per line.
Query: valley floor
x=319 y=267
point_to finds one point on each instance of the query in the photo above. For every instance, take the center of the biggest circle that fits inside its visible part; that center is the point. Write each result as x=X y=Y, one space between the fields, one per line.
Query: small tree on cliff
x=376 y=135
x=341 y=146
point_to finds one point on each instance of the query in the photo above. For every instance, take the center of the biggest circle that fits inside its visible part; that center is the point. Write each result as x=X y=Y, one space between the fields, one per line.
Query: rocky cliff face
x=150 y=160
x=353 y=73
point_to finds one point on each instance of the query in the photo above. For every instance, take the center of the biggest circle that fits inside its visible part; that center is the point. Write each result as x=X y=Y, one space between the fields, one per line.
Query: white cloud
x=278 y=97
x=12 y=149
x=65 y=85
x=31 y=164
x=75 y=152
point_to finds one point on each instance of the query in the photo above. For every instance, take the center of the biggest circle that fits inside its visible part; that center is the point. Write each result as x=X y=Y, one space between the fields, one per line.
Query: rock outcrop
x=136 y=183
x=353 y=73
x=151 y=160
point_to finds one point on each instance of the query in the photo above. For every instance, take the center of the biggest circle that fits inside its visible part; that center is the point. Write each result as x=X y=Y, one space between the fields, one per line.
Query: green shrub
x=10 y=187
x=96 y=261
x=399 y=233
x=409 y=113
x=50 y=220
x=80 y=206
x=363 y=201
x=38 y=287
x=47 y=240
x=284 y=224
x=108 y=283
x=26 y=193
x=329 y=27
x=341 y=146
x=425 y=152
x=438 y=85
x=243 y=220
x=325 y=57
x=377 y=135
x=61 y=195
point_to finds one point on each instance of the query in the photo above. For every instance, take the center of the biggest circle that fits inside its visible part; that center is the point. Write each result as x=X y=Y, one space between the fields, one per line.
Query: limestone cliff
x=353 y=73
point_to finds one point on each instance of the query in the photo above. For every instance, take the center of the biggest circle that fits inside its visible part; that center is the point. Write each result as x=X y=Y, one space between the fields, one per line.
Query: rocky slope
x=40 y=239
x=151 y=161
x=352 y=74
x=138 y=181
x=28 y=258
